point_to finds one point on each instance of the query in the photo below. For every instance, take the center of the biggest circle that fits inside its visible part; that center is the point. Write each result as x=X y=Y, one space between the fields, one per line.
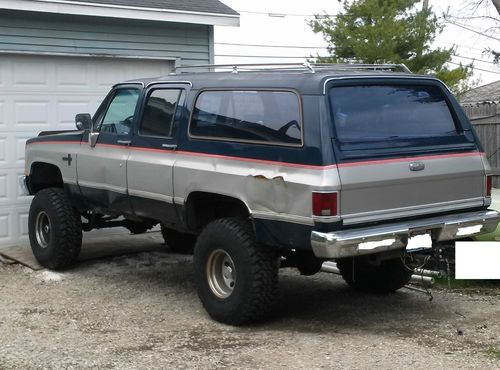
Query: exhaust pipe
x=426 y=279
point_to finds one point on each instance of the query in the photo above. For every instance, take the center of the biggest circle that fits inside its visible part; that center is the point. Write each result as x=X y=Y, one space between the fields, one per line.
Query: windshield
x=381 y=112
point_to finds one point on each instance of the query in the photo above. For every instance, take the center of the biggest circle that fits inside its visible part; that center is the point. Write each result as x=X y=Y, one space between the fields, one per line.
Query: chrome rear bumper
x=380 y=238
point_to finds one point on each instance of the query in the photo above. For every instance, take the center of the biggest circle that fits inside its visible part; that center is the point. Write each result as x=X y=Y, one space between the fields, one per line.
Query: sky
x=273 y=31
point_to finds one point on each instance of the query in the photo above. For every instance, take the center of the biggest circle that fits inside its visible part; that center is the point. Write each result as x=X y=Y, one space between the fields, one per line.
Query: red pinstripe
x=278 y=163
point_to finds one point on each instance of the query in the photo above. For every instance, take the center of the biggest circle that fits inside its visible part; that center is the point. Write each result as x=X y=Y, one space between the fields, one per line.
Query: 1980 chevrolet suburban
x=259 y=169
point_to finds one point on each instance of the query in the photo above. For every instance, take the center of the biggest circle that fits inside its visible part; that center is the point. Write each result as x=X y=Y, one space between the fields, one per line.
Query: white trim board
x=116 y=11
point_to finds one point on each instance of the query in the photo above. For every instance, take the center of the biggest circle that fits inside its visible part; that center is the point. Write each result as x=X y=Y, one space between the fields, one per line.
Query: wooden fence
x=485 y=118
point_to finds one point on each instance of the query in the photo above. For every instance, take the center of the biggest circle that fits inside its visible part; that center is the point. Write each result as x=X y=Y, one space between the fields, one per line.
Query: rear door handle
x=124 y=142
x=169 y=146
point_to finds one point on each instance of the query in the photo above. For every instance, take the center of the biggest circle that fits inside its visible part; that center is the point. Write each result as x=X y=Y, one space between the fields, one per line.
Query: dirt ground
x=141 y=312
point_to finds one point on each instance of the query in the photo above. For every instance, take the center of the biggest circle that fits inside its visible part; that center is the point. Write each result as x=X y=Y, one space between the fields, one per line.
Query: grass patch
x=493 y=352
x=467 y=284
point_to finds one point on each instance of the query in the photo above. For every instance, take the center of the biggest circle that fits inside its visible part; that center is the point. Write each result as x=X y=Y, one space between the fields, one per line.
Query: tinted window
x=262 y=116
x=119 y=116
x=159 y=113
x=390 y=112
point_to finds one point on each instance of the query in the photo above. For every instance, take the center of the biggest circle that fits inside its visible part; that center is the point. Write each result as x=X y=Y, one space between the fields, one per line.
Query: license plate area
x=419 y=241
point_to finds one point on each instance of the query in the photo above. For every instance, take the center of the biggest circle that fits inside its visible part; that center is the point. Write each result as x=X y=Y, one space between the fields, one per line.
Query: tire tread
x=67 y=230
x=263 y=266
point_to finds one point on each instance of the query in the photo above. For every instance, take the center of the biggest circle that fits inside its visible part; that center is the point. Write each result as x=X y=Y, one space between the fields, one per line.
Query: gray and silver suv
x=257 y=169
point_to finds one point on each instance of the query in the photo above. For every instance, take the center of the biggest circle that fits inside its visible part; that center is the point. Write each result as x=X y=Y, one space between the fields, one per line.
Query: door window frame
x=181 y=101
x=160 y=141
x=104 y=107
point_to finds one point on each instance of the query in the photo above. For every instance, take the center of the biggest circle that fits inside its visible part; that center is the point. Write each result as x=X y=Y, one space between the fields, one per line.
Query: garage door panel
x=66 y=112
x=107 y=74
x=19 y=151
x=4 y=188
x=31 y=114
x=22 y=222
x=4 y=151
x=28 y=74
x=39 y=93
x=10 y=190
x=13 y=225
x=7 y=221
x=74 y=74
x=2 y=114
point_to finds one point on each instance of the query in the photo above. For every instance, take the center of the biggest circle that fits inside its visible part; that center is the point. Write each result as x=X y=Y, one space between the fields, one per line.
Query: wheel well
x=44 y=175
x=203 y=208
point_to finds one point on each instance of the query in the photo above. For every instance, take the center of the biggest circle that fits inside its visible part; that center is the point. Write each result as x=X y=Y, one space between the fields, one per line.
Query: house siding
x=60 y=34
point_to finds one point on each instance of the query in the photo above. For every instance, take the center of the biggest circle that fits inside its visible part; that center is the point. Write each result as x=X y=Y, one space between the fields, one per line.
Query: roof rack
x=305 y=67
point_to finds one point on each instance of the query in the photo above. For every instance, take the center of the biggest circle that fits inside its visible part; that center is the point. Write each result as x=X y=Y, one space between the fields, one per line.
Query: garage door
x=39 y=93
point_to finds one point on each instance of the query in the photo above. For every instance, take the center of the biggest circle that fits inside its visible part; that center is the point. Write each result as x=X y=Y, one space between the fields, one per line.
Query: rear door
x=402 y=151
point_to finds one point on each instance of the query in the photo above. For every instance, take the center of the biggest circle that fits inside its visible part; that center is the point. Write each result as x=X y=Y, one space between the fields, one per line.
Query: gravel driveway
x=141 y=311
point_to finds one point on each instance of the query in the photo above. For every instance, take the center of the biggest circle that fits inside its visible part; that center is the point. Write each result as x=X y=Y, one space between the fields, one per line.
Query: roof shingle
x=202 y=6
x=485 y=93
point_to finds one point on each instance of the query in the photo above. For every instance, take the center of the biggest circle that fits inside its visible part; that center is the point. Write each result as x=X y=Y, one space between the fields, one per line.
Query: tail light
x=324 y=204
x=488 y=186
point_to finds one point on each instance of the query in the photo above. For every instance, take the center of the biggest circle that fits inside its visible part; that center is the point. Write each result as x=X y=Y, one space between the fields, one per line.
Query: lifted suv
x=259 y=169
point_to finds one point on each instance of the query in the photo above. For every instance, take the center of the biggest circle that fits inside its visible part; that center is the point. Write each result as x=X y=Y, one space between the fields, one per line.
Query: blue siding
x=53 y=33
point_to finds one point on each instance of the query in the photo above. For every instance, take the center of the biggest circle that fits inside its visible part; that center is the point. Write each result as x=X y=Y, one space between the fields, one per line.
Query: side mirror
x=83 y=121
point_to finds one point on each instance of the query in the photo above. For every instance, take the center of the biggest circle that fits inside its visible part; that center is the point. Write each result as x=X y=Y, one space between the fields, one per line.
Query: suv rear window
x=254 y=116
x=381 y=112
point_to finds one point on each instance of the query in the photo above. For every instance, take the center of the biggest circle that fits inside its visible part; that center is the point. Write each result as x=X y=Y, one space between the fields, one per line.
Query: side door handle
x=417 y=166
x=124 y=142
x=169 y=146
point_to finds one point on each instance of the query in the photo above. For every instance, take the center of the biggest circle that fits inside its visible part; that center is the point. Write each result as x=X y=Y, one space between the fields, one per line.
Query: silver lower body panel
x=393 y=236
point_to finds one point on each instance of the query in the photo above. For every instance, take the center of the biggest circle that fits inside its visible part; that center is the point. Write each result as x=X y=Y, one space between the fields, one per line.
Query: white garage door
x=39 y=93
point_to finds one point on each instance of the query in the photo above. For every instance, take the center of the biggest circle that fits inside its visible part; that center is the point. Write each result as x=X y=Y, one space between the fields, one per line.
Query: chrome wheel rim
x=43 y=229
x=221 y=273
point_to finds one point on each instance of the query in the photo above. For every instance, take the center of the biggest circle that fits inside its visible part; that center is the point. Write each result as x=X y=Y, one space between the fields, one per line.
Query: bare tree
x=496 y=53
x=470 y=11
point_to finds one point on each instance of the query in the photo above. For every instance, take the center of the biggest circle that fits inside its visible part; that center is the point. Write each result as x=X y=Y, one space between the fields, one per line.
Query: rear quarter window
x=382 y=112
x=271 y=117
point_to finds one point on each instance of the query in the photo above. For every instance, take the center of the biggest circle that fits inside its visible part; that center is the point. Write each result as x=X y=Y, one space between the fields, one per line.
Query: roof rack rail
x=306 y=67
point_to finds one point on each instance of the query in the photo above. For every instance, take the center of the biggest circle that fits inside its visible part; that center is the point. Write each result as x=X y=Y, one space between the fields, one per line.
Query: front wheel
x=235 y=277
x=365 y=275
x=55 y=229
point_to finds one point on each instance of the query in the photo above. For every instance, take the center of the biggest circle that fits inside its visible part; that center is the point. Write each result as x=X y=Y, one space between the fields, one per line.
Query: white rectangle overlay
x=417 y=242
x=477 y=260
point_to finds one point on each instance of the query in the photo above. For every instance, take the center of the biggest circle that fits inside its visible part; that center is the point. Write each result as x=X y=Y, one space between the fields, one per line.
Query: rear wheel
x=178 y=242
x=368 y=276
x=235 y=277
x=55 y=229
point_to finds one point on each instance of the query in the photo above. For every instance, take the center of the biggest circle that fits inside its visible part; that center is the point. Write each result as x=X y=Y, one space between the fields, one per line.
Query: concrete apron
x=96 y=244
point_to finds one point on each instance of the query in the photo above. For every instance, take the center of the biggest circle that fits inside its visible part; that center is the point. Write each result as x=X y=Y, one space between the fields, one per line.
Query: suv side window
x=271 y=117
x=120 y=113
x=159 y=113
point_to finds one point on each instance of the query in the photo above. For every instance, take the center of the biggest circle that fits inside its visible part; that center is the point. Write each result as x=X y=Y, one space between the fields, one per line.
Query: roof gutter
x=125 y=12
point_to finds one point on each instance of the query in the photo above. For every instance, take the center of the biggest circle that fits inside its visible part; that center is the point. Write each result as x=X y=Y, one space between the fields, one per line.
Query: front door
x=102 y=168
